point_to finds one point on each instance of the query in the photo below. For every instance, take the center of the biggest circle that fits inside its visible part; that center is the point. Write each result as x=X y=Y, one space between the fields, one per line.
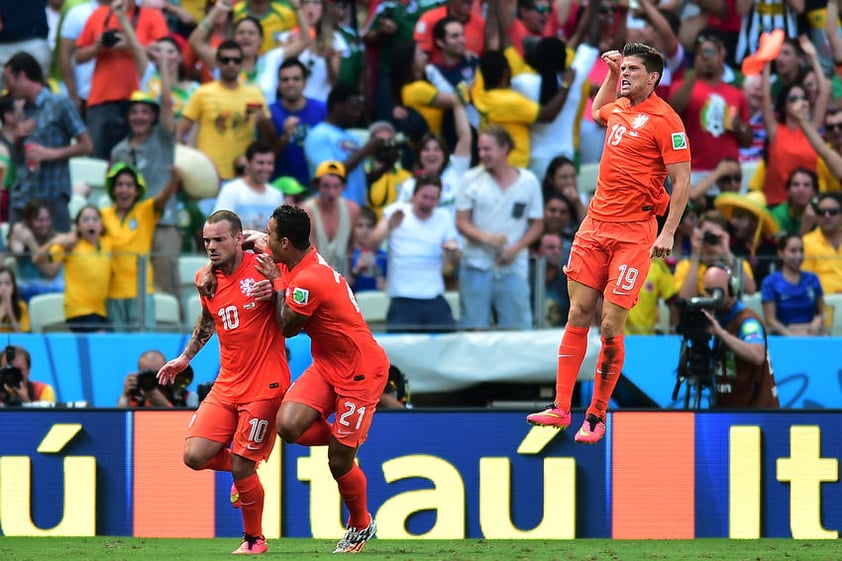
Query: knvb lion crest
x=640 y=120
x=246 y=286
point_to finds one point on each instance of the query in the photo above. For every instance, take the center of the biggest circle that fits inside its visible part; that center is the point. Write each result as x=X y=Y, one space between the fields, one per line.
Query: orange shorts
x=612 y=257
x=249 y=427
x=353 y=411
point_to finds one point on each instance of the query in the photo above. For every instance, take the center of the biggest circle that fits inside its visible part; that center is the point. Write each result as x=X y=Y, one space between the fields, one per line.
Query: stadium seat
x=663 y=323
x=192 y=310
x=833 y=314
x=167 y=312
x=187 y=267
x=749 y=169
x=361 y=134
x=752 y=301
x=46 y=312
x=90 y=171
x=587 y=178
x=452 y=297
x=374 y=304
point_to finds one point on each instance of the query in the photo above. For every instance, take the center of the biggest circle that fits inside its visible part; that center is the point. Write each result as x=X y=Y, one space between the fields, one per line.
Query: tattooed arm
x=204 y=330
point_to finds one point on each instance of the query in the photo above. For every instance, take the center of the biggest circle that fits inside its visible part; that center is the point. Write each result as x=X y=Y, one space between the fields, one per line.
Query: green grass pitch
x=298 y=549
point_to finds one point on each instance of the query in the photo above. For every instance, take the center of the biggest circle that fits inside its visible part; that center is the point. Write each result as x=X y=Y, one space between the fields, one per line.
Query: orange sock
x=608 y=367
x=317 y=435
x=251 y=497
x=571 y=353
x=220 y=462
x=353 y=487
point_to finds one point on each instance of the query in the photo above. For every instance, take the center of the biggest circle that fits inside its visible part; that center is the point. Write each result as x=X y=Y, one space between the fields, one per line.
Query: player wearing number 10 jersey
x=613 y=247
x=253 y=376
x=349 y=370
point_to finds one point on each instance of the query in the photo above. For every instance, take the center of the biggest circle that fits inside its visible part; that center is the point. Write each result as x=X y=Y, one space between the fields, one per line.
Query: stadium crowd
x=373 y=115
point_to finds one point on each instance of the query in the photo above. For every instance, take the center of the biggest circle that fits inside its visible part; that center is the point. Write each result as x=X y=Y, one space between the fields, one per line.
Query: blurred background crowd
x=389 y=122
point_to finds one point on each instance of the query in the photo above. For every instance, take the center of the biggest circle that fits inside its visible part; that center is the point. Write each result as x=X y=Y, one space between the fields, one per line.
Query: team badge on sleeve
x=679 y=141
x=300 y=296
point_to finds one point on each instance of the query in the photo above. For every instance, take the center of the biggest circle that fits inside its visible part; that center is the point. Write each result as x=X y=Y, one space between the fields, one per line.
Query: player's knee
x=339 y=465
x=193 y=461
x=288 y=430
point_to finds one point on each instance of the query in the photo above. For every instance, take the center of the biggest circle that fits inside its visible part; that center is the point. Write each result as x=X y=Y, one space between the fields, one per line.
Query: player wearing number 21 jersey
x=349 y=370
x=613 y=248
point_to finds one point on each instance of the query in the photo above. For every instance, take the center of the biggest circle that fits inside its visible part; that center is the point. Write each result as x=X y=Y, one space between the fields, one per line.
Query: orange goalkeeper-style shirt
x=640 y=142
x=252 y=352
x=342 y=344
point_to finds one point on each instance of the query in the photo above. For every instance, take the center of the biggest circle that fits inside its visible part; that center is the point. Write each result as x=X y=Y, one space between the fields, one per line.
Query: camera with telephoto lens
x=147 y=380
x=110 y=38
x=11 y=376
x=696 y=358
x=390 y=151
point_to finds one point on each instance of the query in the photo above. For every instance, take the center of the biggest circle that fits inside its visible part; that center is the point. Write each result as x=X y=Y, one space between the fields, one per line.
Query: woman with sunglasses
x=787 y=147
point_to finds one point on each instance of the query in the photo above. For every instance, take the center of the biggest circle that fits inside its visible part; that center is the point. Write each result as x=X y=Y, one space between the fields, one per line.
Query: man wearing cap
x=251 y=197
x=48 y=125
x=752 y=227
x=331 y=141
x=150 y=148
x=332 y=216
x=292 y=117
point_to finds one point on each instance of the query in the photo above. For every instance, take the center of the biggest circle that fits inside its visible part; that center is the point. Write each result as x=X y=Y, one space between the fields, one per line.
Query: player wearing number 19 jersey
x=614 y=245
x=349 y=370
x=253 y=376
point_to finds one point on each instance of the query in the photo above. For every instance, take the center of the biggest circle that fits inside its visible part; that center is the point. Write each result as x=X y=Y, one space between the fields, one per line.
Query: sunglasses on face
x=833 y=126
x=230 y=60
x=541 y=9
x=827 y=211
x=730 y=178
x=794 y=98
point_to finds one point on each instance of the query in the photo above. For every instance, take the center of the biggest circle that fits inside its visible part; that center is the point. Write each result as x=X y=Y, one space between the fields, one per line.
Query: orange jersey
x=252 y=351
x=639 y=143
x=342 y=345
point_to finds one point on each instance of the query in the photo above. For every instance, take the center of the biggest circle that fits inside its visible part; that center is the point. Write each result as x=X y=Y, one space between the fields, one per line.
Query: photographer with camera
x=384 y=173
x=710 y=243
x=16 y=389
x=742 y=373
x=141 y=388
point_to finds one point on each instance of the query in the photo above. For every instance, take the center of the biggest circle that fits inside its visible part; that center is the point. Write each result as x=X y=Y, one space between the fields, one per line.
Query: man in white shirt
x=500 y=213
x=251 y=196
x=421 y=236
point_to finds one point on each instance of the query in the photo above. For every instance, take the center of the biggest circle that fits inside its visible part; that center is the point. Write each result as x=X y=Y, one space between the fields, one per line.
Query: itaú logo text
x=79 y=516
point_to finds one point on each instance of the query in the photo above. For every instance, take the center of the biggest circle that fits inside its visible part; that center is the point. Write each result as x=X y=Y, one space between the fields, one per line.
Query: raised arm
x=199 y=39
x=766 y=106
x=607 y=92
x=169 y=189
x=830 y=156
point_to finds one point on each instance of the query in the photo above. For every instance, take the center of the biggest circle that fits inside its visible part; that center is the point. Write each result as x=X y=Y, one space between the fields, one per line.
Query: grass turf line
x=300 y=549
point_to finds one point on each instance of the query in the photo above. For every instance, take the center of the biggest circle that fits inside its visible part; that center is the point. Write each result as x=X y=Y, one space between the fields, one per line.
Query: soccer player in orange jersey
x=349 y=370
x=611 y=252
x=253 y=377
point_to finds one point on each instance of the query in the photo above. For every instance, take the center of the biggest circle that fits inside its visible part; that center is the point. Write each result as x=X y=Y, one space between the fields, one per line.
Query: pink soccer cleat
x=592 y=431
x=251 y=546
x=552 y=416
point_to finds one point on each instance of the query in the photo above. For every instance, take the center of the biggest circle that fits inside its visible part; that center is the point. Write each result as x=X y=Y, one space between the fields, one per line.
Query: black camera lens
x=147 y=380
x=710 y=238
x=10 y=376
x=110 y=38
